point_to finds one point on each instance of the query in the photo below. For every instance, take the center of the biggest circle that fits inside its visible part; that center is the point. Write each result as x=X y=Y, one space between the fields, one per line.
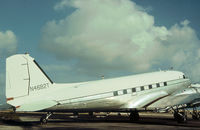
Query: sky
x=81 y=40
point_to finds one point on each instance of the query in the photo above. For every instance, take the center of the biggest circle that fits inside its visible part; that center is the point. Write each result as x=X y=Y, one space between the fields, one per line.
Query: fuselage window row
x=121 y=92
x=142 y=88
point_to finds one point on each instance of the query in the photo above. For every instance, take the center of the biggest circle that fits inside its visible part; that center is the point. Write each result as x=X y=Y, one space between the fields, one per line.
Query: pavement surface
x=148 y=121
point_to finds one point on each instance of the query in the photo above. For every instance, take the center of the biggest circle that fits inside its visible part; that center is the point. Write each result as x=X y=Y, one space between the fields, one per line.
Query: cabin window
x=184 y=76
x=115 y=93
x=150 y=86
x=133 y=89
x=165 y=83
x=142 y=88
x=124 y=91
x=157 y=85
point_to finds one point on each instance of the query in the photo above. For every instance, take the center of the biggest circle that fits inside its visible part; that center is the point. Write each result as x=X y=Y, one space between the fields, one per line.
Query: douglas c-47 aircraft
x=28 y=88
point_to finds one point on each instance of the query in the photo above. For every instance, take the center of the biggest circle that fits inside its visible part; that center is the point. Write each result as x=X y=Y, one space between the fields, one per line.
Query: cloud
x=55 y=67
x=1 y=79
x=8 y=46
x=8 y=43
x=67 y=73
x=61 y=5
x=118 y=35
x=2 y=85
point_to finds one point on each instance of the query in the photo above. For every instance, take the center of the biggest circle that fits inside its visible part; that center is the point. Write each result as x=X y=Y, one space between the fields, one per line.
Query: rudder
x=24 y=76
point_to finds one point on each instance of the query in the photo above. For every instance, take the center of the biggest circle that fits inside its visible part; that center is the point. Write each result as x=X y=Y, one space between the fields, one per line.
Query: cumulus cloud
x=2 y=84
x=1 y=79
x=8 y=43
x=55 y=67
x=67 y=73
x=105 y=36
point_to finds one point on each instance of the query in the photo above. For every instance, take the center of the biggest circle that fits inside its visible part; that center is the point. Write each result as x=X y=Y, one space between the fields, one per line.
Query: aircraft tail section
x=24 y=77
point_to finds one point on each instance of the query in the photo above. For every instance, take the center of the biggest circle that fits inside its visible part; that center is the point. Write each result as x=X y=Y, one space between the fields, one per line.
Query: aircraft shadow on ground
x=143 y=121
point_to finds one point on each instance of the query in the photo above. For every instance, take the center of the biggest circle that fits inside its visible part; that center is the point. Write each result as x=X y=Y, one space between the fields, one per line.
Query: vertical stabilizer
x=24 y=77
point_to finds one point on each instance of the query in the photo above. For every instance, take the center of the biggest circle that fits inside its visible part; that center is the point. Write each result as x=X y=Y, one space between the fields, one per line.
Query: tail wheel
x=43 y=120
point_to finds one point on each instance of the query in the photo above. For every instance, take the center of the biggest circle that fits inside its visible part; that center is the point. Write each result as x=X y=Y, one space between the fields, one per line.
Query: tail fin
x=24 y=77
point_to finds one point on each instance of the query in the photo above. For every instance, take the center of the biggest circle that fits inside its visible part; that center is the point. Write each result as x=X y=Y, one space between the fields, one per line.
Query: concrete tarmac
x=148 y=121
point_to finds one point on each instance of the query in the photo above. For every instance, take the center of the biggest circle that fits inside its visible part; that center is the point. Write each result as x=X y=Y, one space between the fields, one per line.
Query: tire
x=195 y=117
x=134 y=116
x=181 y=117
x=43 y=120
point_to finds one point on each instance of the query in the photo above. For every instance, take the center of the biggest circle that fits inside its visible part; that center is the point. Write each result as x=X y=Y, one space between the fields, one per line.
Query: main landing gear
x=180 y=114
x=180 y=117
x=195 y=114
x=91 y=114
x=134 y=116
x=44 y=119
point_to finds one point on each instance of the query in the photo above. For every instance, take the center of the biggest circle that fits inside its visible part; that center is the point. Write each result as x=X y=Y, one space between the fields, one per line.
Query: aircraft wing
x=190 y=100
x=142 y=101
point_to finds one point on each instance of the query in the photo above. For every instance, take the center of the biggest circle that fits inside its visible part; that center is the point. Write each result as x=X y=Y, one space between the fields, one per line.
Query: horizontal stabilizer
x=4 y=107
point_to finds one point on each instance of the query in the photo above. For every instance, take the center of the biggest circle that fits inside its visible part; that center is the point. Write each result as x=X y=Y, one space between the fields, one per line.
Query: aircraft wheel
x=91 y=114
x=199 y=115
x=180 y=117
x=176 y=116
x=195 y=117
x=134 y=116
x=43 y=120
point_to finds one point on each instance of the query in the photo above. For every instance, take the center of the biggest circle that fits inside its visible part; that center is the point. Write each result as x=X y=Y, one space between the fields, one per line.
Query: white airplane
x=28 y=88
